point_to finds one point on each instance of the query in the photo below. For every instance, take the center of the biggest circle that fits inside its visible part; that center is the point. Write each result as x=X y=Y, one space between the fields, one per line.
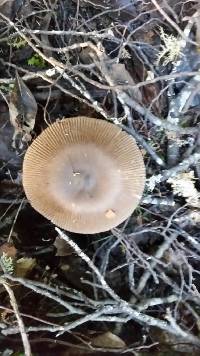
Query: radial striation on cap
x=85 y=175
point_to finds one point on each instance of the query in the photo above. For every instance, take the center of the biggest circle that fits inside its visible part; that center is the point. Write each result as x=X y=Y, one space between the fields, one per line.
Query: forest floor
x=134 y=290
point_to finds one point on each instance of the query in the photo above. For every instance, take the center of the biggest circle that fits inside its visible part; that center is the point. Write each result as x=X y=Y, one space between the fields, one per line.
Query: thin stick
x=172 y=172
x=90 y=264
x=172 y=23
x=15 y=219
x=13 y=302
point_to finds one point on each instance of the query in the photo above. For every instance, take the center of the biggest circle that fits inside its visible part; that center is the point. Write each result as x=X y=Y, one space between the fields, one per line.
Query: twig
x=15 y=219
x=30 y=285
x=30 y=316
x=156 y=301
x=178 y=103
x=69 y=32
x=157 y=201
x=174 y=324
x=123 y=306
x=84 y=257
x=155 y=120
x=144 y=144
x=60 y=68
x=172 y=172
x=159 y=253
x=120 y=94
x=172 y=23
x=13 y=302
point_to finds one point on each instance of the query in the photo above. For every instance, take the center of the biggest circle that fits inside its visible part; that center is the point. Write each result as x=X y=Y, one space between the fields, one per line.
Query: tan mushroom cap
x=85 y=175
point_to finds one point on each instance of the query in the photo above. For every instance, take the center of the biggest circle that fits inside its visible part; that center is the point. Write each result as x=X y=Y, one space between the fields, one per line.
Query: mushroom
x=84 y=174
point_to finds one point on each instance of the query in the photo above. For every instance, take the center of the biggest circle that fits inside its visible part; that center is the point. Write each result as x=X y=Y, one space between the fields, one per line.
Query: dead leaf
x=23 y=110
x=8 y=249
x=108 y=340
x=24 y=266
x=63 y=249
x=120 y=76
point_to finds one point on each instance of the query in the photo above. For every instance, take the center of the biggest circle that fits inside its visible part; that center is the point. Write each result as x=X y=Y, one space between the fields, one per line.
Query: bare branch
x=13 y=302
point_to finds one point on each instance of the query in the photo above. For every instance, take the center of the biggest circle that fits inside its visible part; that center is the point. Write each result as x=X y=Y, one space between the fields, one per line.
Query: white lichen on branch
x=184 y=185
x=170 y=50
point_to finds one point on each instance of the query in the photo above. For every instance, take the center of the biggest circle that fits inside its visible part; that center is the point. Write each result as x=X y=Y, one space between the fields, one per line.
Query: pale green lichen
x=17 y=42
x=184 y=185
x=7 y=263
x=170 y=50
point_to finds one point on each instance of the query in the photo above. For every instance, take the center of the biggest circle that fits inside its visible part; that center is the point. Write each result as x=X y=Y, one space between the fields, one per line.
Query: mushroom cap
x=84 y=174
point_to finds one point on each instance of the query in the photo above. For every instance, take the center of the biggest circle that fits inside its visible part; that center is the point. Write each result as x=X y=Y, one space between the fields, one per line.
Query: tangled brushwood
x=133 y=67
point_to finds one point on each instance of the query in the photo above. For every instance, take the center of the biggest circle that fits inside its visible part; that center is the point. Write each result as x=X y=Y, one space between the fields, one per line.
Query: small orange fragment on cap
x=110 y=214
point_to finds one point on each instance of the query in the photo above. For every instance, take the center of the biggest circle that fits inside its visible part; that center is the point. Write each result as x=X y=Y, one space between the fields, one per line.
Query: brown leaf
x=8 y=249
x=63 y=249
x=24 y=266
x=22 y=109
x=108 y=340
x=120 y=76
